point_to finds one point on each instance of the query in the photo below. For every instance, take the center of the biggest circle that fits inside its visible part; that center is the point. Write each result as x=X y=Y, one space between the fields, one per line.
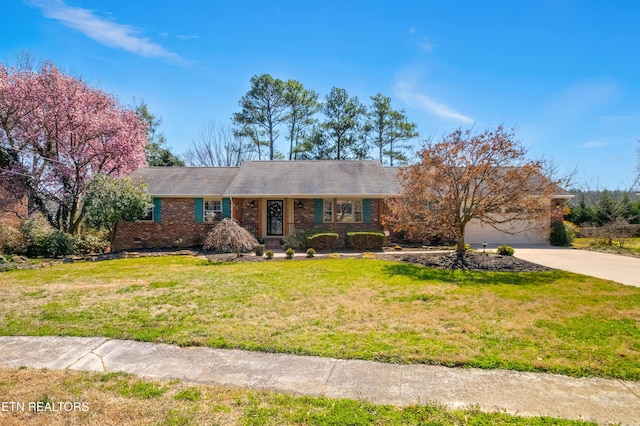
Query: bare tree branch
x=215 y=145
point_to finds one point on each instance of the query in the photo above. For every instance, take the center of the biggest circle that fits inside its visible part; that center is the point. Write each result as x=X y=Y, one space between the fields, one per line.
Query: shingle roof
x=312 y=178
x=274 y=178
x=186 y=181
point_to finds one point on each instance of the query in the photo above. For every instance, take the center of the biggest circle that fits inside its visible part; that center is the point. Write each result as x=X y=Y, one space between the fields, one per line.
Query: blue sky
x=565 y=73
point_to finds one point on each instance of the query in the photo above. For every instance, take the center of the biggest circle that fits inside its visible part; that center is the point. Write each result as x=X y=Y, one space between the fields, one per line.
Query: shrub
x=365 y=240
x=562 y=234
x=91 y=243
x=289 y=252
x=58 y=244
x=322 y=241
x=36 y=232
x=296 y=240
x=11 y=240
x=42 y=240
x=505 y=250
x=259 y=249
x=228 y=235
x=269 y=254
x=311 y=252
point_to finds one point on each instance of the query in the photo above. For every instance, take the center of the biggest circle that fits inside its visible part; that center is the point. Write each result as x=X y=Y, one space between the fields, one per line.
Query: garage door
x=520 y=233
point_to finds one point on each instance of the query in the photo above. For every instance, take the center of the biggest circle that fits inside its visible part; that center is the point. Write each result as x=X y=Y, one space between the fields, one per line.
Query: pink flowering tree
x=56 y=133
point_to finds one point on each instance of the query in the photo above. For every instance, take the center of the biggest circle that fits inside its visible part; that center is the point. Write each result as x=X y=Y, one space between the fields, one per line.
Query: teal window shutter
x=226 y=207
x=318 y=206
x=157 y=209
x=199 y=210
x=366 y=210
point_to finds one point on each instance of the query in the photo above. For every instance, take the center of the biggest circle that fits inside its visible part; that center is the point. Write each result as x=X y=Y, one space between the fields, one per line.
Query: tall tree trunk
x=460 y=243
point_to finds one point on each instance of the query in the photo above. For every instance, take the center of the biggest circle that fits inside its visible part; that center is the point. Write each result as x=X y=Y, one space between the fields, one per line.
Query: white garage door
x=520 y=233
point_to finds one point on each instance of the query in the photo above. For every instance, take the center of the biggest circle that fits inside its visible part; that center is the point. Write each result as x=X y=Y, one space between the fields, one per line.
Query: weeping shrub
x=228 y=235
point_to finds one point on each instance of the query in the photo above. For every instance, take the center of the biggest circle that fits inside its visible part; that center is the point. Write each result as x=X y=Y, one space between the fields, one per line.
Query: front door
x=275 y=218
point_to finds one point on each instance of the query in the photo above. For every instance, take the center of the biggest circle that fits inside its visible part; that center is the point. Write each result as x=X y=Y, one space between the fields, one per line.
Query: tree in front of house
x=110 y=200
x=157 y=153
x=57 y=132
x=483 y=176
x=229 y=235
x=389 y=128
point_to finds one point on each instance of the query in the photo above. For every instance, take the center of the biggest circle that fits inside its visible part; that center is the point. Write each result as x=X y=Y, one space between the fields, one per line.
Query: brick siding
x=12 y=209
x=305 y=218
x=177 y=223
x=557 y=210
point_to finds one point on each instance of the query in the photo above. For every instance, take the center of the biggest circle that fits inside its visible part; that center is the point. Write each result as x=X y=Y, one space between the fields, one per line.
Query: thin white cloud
x=406 y=91
x=426 y=44
x=594 y=144
x=582 y=99
x=104 y=31
x=187 y=37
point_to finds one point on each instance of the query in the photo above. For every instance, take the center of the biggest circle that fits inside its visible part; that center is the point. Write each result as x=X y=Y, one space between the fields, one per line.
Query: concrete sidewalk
x=614 y=267
x=525 y=394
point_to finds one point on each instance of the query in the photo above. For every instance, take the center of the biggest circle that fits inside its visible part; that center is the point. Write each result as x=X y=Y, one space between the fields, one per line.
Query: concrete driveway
x=622 y=269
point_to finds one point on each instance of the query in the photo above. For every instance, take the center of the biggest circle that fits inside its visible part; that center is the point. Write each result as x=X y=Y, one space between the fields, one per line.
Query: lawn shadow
x=466 y=277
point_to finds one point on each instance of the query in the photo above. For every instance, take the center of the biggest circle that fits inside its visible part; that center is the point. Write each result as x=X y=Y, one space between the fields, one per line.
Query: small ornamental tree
x=470 y=176
x=229 y=235
x=110 y=200
x=56 y=133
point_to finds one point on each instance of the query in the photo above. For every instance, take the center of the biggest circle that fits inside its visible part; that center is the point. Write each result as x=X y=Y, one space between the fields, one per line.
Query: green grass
x=345 y=308
x=625 y=245
x=194 y=404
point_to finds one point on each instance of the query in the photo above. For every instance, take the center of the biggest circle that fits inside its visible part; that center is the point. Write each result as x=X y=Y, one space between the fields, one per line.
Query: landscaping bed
x=473 y=261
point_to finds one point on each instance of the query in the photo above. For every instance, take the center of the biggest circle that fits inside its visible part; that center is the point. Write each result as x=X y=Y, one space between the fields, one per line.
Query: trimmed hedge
x=322 y=241
x=365 y=240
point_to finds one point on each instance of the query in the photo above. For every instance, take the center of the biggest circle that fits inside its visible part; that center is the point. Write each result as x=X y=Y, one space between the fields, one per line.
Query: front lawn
x=345 y=308
x=122 y=399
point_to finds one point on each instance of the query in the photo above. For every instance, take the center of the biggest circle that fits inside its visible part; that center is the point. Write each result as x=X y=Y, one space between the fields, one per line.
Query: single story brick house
x=272 y=199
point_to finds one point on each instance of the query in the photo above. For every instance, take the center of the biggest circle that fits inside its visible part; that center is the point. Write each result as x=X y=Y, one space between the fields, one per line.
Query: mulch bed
x=472 y=262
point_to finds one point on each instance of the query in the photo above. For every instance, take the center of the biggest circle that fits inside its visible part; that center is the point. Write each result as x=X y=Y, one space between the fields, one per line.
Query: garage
x=519 y=233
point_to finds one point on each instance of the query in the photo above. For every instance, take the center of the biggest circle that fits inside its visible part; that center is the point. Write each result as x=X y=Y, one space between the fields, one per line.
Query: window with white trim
x=346 y=211
x=327 y=211
x=212 y=210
